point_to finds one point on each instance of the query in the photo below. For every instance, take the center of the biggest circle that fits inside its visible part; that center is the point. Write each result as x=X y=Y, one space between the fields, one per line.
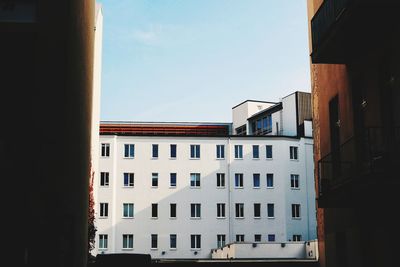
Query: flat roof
x=249 y=100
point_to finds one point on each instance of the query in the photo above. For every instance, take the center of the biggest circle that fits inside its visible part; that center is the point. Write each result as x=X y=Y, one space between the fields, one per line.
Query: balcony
x=361 y=163
x=344 y=29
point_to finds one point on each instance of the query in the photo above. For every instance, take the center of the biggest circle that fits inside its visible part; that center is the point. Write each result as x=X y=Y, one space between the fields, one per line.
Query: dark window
x=172 y=181
x=256 y=152
x=257 y=210
x=220 y=151
x=104 y=179
x=129 y=151
x=155 y=151
x=271 y=238
x=220 y=179
x=270 y=180
x=195 y=151
x=173 y=151
x=172 y=213
x=256 y=180
x=154 y=241
x=270 y=210
x=172 y=241
x=154 y=210
x=268 y=151
x=154 y=179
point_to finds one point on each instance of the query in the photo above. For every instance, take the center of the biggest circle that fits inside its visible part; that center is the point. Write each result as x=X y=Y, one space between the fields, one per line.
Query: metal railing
x=374 y=151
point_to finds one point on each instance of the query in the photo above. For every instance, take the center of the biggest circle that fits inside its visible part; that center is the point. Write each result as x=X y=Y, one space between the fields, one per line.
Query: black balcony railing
x=375 y=151
x=325 y=17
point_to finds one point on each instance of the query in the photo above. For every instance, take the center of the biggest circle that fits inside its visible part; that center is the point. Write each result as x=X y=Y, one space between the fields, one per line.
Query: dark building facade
x=46 y=72
x=355 y=69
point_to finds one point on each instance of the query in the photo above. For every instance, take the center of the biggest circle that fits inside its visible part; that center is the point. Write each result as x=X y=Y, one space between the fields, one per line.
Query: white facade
x=282 y=194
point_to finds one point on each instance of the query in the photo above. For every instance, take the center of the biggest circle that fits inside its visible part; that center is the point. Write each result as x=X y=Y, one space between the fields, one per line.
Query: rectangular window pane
x=155 y=151
x=172 y=241
x=173 y=151
x=103 y=241
x=239 y=180
x=256 y=152
x=154 y=241
x=239 y=210
x=128 y=179
x=270 y=180
x=220 y=210
x=154 y=210
x=127 y=241
x=195 y=151
x=129 y=150
x=195 y=179
x=270 y=210
x=271 y=238
x=238 y=151
x=105 y=150
x=239 y=238
x=220 y=179
x=220 y=151
x=154 y=179
x=104 y=179
x=257 y=238
x=268 y=151
x=172 y=210
x=257 y=210
x=172 y=179
x=256 y=180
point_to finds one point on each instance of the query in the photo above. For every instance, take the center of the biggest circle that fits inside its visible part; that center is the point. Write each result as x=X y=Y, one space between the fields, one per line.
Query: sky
x=193 y=60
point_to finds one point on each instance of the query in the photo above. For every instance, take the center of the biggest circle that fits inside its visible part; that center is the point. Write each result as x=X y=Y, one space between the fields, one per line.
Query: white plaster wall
x=289 y=115
x=308 y=128
x=142 y=195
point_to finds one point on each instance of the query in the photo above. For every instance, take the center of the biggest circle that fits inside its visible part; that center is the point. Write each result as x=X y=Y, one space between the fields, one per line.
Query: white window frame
x=131 y=150
x=259 y=180
x=239 y=210
x=103 y=212
x=131 y=179
x=221 y=240
x=127 y=241
x=266 y=152
x=220 y=153
x=106 y=148
x=170 y=179
x=294 y=181
x=238 y=180
x=272 y=176
x=296 y=211
x=103 y=241
x=156 y=210
x=221 y=211
x=152 y=239
x=296 y=238
x=170 y=242
x=257 y=236
x=239 y=238
x=197 y=210
x=294 y=152
x=170 y=210
x=154 y=177
x=258 y=152
x=196 y=151
x=221 y=180
x=197 y=242
x=273 y=210
x=196 y=182
x=259 y=210
x=104 y=179
x=130 y=210
x=238 y=151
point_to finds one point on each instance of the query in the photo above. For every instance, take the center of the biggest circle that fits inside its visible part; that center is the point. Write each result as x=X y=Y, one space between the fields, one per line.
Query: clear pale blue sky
x=193 y=60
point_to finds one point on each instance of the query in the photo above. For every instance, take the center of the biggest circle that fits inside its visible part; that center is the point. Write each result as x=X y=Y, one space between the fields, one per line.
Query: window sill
x=256 y=187
x=125 y=218
x=269 y=158
x=255 y=158
x=154 y=218
x=220 y=158
x=104 y=186
x=270 y=187
x=128 y=186
x=295 y=188
x=172 y=218
x=103 y=217
x=172 y=187
x=194 y=158
x=103 y=249
x=239 y=218
x=153 y=249
x=195 y=187
x=172 y=158
x=128 y=157
x=126 y=249
x=220 y=187
x=241 y=187
x=271 y=218
x=221 y=218
x=195 y=218
x=154 y=158
x=195 y=249
x=296 y=218
x=238 y=158
x=154 y=186
x=294 y=160
x=173 y=249
x=257 y=218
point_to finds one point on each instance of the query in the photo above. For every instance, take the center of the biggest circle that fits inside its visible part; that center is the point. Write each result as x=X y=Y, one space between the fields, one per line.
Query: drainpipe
x=228 y=180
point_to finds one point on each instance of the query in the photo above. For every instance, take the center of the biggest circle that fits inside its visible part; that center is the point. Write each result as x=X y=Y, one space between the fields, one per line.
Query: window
x=105 y=150
x=241 y=130
x=129 y=151
x=257 y=210
x=128 y=179
x=154 y=179
x=258 y=125
x=257 y=238
x=154 y=210
x=195 y=241
x=172 y=151
x=220 y=151
x=172 y=210
x=239 y=180
x=128 y=210
x=220 y=180
x=268 y=151
x=195 y=179
x=267 y=124
x=104 y=179
x=172 y=241
x=296 y=238
x=238 y=151
x=195 y=151
x=195 y=210
x=239 y=238
x=154 y=241
x=295 y=211
x=220 y=241
x=155 y=151
x=103 y=210
x=271 y=238
x=220 y=210
x=256 y=180
x=270 y=210
x=294 y=152
x=127 y=241
x=256 y=152
x=294 y=181
x=270 y=180
x=103 y=241
x=172 y=179
x=239 y=210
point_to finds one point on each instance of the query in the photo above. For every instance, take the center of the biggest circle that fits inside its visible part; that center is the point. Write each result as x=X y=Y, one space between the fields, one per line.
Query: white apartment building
x=180 y=190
